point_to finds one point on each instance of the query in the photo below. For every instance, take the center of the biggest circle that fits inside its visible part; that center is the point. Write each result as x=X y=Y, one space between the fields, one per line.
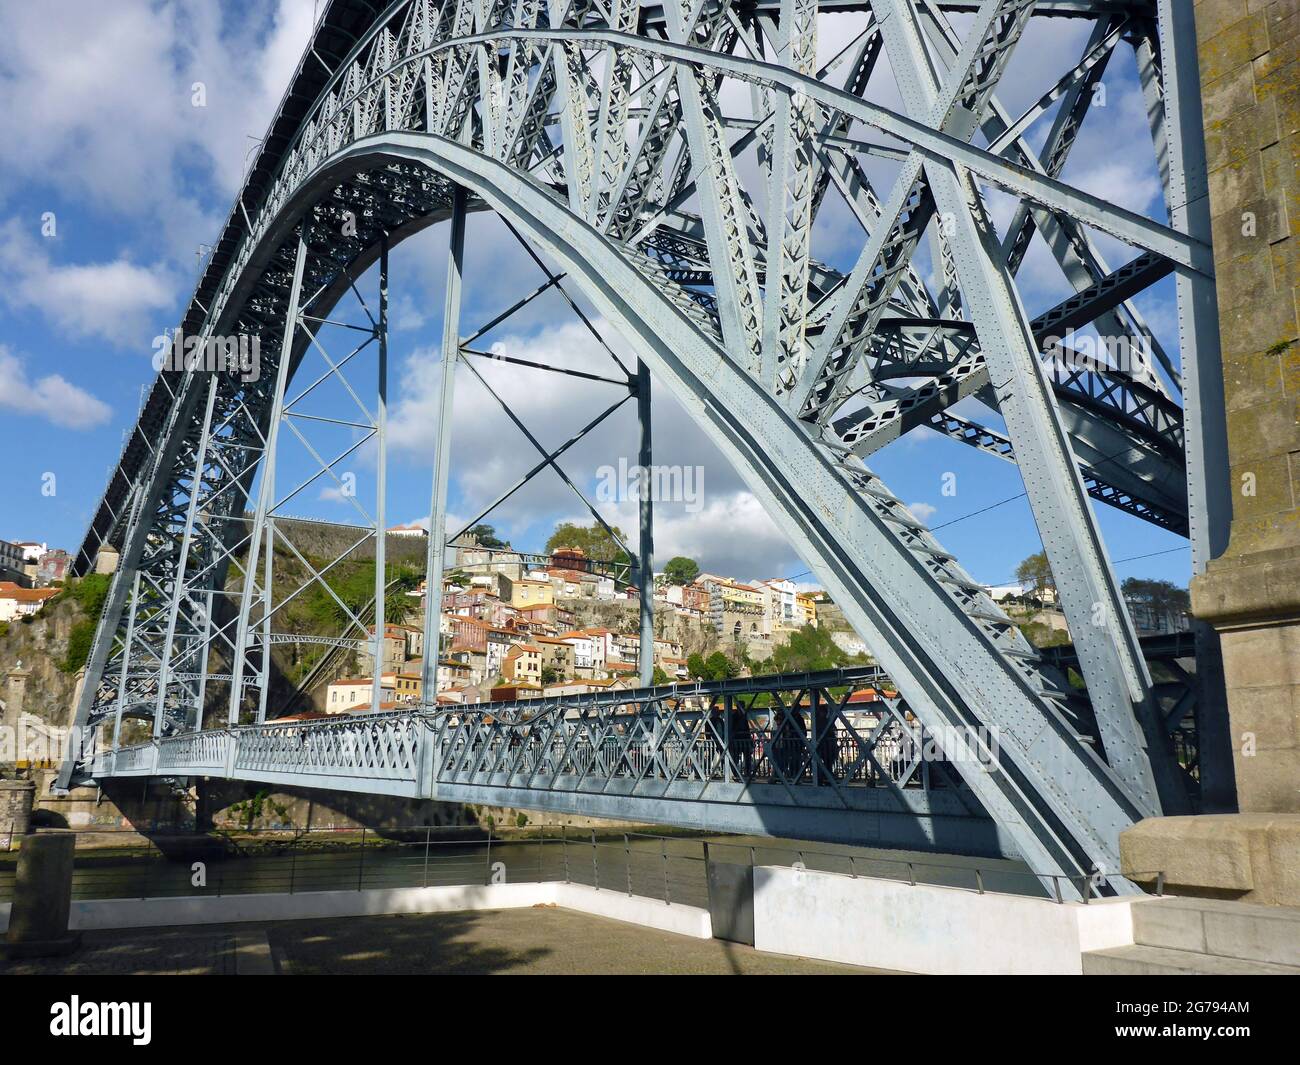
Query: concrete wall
x=212 y=909
x=926 y=929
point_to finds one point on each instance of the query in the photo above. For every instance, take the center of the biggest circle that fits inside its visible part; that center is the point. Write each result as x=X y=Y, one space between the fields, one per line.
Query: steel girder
x=591 y=130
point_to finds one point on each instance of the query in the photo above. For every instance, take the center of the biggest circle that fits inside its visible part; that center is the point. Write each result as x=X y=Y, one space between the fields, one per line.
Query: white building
x=780 y=608
x=604 y=648
x=353 y=693
x=32 y=552
x=499 y=642
x=18 y=602
x=583 y=649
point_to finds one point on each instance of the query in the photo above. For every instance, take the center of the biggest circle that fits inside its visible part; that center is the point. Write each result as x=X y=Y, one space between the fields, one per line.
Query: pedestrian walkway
x=543 y=940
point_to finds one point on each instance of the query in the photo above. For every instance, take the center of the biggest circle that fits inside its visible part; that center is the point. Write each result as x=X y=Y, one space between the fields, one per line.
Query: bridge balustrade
x=765 y=737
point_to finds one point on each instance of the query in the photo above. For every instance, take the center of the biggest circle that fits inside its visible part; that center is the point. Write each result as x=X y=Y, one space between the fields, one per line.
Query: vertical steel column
x=265 y=500
x=442 y=456
x=1209 y=491
x=204 y=654
x=268 y=583
x=126 y=659
x=645 y=544
x=381 y=482
x=178 y=585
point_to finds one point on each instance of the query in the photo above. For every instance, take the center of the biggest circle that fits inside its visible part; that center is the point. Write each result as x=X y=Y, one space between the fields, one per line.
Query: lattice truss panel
x=839 y=742
x=699 y=168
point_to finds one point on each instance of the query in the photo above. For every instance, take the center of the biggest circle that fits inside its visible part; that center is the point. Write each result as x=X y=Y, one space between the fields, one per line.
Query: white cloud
x=406 y=315
x=729 y=533
x=120 y=301
x=923 y=512
x=100 y=98
x=488 y=452
x=51 y=397
x=732 y=534
x=331 y=493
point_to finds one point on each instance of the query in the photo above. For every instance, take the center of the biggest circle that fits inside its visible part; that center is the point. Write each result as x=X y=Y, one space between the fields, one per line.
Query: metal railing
x=670 y=868
x=798 y=730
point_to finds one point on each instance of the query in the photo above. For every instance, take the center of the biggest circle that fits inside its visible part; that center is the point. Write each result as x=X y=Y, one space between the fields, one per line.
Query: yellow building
x=408 y=687
x=805 y=608
x=744 y=594
x=529 y=592
x=523 y=665
x=557 y=654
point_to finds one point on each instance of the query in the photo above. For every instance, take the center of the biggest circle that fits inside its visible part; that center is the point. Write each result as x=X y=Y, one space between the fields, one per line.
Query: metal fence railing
x=671 y=868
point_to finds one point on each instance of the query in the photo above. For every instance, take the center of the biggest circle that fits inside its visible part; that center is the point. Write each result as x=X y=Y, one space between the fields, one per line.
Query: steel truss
x=606 y=134
x=805 y=755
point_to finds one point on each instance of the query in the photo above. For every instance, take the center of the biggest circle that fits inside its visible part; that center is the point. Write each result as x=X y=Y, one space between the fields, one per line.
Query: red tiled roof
x=10 y=590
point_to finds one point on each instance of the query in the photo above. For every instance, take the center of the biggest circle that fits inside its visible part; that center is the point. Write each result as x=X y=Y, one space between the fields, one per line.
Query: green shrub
x=89 y=593
x=81 y=636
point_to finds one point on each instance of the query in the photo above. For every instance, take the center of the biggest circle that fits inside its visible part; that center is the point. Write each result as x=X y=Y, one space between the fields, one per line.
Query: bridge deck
x=830 y=756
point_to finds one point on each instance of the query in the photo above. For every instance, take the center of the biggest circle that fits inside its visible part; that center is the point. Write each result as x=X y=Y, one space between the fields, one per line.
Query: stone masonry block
x=1260 y=657
x=1215 y=16
x=1223 y=98
x=1267 y=781
x=1252 y=856
x=1270 y=714
x=1272 y=483
x=1241 y=228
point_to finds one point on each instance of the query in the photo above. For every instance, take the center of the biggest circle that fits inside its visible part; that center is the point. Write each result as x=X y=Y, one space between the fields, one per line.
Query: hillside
x=53 y=645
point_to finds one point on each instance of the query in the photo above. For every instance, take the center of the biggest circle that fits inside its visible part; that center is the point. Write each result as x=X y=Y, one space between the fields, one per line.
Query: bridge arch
x=955 y=657
x=938 y=656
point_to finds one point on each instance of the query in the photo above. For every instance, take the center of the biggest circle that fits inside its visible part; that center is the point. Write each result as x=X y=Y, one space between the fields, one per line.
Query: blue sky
x=136 y=178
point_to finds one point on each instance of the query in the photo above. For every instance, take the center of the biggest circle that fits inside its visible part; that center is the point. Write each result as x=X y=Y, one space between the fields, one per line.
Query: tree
x=681 y=570
x=660 y=677
x=1036 y=573
x=1164 y=601
x=398 y=608
x=808 y=650
x=551 y=675
x=1160 y=595
x=398 y=604
x=719 y=667
x=594 y=541
x=716 y=667
x=487 y=537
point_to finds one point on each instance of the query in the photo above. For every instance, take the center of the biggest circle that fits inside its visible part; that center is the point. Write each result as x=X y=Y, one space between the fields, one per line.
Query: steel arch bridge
x=673 y=161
